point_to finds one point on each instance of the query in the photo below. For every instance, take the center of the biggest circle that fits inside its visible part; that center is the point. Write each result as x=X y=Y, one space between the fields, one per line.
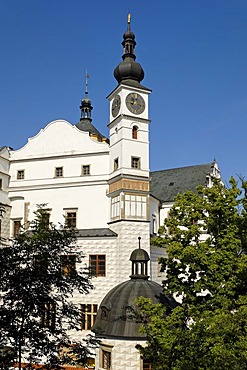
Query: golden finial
x=129 y=19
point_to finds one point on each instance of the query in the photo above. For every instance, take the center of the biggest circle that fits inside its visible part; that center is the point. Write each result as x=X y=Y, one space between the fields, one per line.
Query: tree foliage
x=37 y=311
x=206 y=269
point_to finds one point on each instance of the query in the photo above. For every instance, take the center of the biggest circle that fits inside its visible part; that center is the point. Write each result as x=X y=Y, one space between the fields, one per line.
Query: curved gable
x=59 y=137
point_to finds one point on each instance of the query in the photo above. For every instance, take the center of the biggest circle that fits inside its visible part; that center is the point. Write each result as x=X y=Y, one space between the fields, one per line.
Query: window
x=147 y=365
x=45 y=217
x=154 y=225
x=0 y=228
x=20 y=175
x=97 y=264
x=1 y=184
x=70 y=219
x=135 y=162
x=88 y=315
x=48 y=315
x=115 y=164
x=85 y=170
x=135 y=206
x=115 y=207
x=59 y=172
x=16 y=227
x=68 y=264
x=40 y=265
x=134 y=132
x=106 y=360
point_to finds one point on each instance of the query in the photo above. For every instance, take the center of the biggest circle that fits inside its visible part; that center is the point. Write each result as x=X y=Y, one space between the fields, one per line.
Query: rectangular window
x=135 y=206
x=147 y=365
x=68 y=264
x=48 y=315
x=97 y=264
x=115 y=164
x=85 y=170
x=1 y=184
x=58 y=171
x=16 y=227
x=115 y=207
x=88 y=315
x=70 y=219
x=45 y=217
x=135 y=162
x=20 y=175
x=40 y=265
x=106 y=360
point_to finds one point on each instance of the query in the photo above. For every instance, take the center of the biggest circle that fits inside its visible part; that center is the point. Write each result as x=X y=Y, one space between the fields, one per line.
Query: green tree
x=37 y=281
x=206 y=269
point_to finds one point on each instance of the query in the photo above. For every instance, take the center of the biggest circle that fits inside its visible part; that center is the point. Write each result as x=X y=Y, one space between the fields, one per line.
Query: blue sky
x=193 y=53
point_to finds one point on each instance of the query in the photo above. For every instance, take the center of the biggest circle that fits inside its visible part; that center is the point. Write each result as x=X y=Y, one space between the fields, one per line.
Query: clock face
x=116 y=104
x=135 y=103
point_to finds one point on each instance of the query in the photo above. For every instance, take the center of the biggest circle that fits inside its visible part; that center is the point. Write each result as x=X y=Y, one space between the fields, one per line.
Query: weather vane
x=87 y=77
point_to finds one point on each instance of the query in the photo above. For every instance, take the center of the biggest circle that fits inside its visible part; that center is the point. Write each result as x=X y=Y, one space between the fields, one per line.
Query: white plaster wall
x=90 y=202
x=128 y=233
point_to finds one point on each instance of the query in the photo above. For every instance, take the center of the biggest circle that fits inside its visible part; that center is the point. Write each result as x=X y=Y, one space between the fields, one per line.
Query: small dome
x=139 y=255
x=129 y=35
x=86 y=102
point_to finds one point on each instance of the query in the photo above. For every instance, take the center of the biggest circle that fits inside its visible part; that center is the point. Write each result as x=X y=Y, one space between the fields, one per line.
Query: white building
x=102 y=187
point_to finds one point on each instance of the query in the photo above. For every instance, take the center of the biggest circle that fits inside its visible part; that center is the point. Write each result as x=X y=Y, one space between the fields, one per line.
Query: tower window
x=88 y=315
x=59 y=172
x=97 y=263
x=134 y=132
x=20 y=175
x=135 y=206
x=115 y=164
x=85 y=170
x=135 y=162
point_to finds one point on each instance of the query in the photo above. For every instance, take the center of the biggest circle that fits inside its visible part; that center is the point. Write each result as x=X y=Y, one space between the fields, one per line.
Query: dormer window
x=134 y=132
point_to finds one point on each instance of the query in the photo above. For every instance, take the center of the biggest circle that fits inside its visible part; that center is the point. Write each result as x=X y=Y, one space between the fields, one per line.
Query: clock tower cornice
x=129 y=117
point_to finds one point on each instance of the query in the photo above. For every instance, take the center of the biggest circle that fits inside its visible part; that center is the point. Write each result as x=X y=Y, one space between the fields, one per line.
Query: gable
x=59 y=138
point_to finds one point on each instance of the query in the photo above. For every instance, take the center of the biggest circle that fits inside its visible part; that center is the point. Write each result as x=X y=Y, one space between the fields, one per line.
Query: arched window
x=134 y=132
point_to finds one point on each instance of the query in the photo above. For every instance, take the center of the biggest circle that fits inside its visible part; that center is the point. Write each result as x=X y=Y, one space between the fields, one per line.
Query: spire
x=129 y=69
x=86 y=105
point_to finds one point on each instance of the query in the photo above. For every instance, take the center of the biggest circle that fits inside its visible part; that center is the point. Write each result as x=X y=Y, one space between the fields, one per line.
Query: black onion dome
x=129 y=69
x=115 y=315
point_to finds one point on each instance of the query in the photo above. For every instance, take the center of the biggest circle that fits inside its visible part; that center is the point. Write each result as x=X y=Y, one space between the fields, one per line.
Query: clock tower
x=129 y=151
